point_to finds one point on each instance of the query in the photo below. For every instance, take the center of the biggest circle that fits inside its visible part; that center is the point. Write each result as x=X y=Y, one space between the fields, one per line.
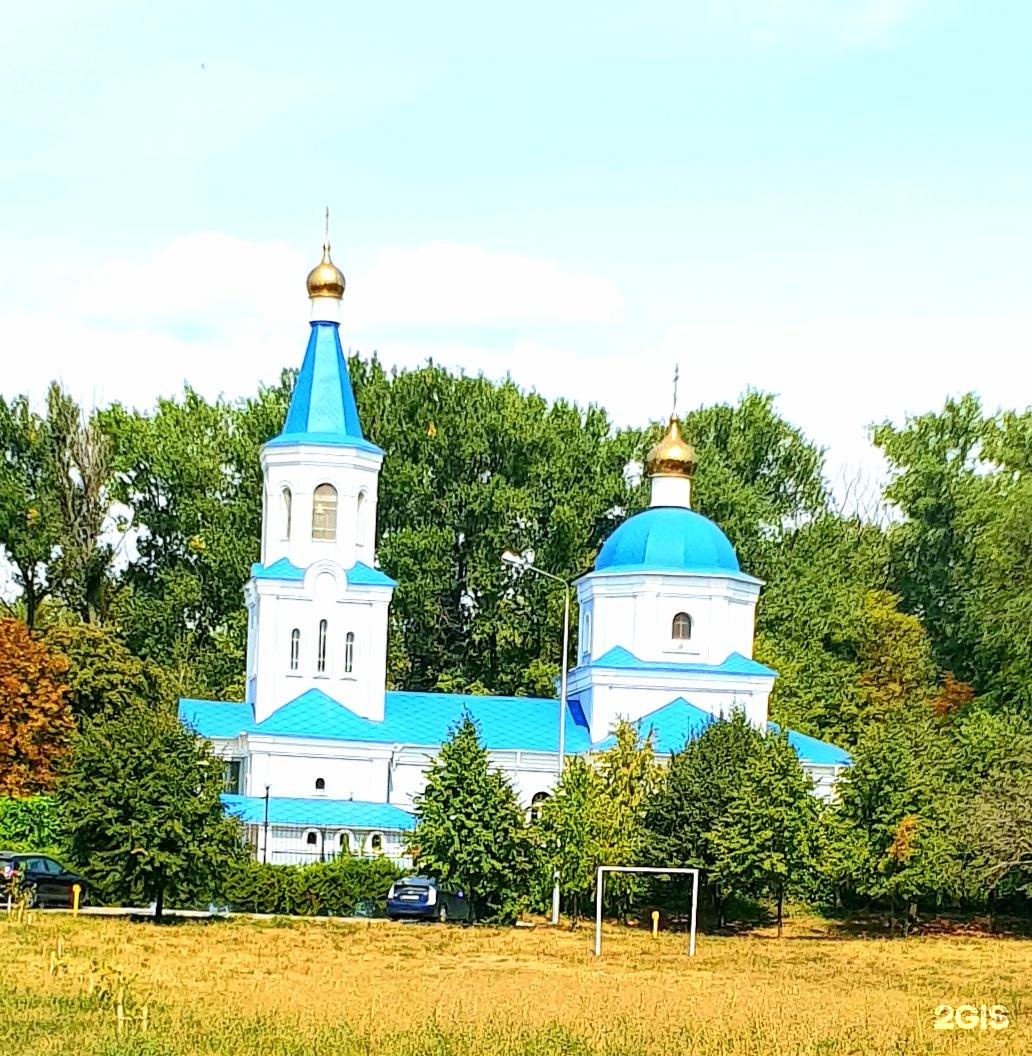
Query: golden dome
x=326 y=279
x=672 y=456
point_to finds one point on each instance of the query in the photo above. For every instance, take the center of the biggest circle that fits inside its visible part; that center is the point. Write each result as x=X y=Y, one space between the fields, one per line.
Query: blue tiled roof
x=668 y=539
x=506 y=723
x=620 y=659
x=319 y=813
x=672 y=726
x=281 y=569
x=360 y=574
x=525 y=723
x=811 y=750
x=322 y=408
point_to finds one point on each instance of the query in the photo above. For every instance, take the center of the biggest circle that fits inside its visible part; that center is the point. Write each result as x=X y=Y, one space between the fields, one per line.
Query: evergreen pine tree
x=471 y=831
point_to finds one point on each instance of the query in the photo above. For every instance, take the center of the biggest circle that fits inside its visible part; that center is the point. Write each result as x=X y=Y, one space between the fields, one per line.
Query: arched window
x=285 y=504
x=344 y=842
x=312 y=838
x=324 y=513
x=320 y=784
x=376 y=843
x=681 y=628
x=349 y=652
x=320 y=665
x=295 y=649
x=585 y=642
x=361 y=509
x=535 y=804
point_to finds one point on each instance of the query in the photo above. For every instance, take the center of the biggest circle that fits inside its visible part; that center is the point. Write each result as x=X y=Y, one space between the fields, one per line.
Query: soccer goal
x=600 y=881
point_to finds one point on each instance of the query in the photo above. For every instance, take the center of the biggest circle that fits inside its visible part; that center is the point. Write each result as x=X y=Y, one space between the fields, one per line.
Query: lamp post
x=265 y=837
x=514 y=560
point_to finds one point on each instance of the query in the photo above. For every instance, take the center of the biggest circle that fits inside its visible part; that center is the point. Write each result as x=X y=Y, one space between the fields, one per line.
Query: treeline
x=932 y=817
x=903 y=638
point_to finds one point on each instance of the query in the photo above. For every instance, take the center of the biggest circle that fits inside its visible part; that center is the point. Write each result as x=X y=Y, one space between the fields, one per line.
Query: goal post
x=600 y=881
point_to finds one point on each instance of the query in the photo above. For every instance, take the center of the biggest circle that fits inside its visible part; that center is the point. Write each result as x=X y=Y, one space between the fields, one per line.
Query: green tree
x=190 y=477
x=701 y=782
x=763 y=843
x=630 y=778
x=141 y=804
x=102 y=673
x=30 y=529
x=471 y=830
x=572 y=833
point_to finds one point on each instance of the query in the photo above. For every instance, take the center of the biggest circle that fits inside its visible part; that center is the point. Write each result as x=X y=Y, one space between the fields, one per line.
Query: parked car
x=421 y=898
x=44 y=881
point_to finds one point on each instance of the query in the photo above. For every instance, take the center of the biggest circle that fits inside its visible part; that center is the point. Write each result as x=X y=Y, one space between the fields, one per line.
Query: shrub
x=30 y=821
x=321 y=889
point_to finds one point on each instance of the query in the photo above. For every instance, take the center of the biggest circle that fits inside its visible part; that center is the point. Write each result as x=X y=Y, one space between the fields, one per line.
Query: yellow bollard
x=655 y=923
x=76 y=893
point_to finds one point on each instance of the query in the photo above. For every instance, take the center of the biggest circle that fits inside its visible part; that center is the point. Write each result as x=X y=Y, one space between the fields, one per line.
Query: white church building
x=322 y=759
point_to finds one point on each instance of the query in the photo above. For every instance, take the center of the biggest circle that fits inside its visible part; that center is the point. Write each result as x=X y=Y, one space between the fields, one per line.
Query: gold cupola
x=673 y=456
x=326 y=279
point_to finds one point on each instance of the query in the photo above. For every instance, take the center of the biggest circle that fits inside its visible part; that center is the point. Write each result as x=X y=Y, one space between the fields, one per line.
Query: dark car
x=420 y=898
x=44 y=882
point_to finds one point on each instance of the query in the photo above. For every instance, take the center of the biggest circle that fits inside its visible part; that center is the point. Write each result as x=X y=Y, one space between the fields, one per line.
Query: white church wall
x=292 y=768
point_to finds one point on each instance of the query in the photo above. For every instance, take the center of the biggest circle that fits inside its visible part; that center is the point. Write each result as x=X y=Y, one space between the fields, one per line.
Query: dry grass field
x=278 y=988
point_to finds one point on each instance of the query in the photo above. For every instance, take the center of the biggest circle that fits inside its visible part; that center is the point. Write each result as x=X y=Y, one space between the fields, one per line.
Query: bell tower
x=317 y=604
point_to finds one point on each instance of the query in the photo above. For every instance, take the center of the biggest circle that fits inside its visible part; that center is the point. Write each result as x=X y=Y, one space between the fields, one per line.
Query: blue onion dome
x=668 y=539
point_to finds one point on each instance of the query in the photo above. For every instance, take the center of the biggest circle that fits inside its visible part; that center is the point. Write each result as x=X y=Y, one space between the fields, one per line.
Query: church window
x=312 y=838
x=349 y=652
x=231 y=777
x=320 y=784
x=585 y=638
x=681 y=629
x=295 y=649
x=320 y=665
x=344 y=842
x=376 y=843
x=324 y=513
x=536 y=803
x=360 y=519
x=285 y=504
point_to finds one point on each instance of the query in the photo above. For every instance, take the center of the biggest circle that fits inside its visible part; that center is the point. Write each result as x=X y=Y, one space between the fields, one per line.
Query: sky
x=828 y=200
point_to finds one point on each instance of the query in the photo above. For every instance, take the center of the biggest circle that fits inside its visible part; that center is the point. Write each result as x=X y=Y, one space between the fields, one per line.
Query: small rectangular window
x=231 y=777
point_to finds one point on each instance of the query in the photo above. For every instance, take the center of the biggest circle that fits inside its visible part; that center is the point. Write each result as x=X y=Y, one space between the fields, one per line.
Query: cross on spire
x=326 y=240
x=677 y=375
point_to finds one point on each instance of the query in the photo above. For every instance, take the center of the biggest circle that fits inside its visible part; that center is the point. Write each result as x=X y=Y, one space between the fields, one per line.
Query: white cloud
x=444 y=283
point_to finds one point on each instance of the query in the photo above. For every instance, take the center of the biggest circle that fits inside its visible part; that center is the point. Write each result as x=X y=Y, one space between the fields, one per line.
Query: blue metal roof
x=620 y=659
x=672 y=726
x=360 y=574
x=423 y=719
x=506 y=723
x=322 y=408
x=319 y=813
x=811 y=750
x=668 y=539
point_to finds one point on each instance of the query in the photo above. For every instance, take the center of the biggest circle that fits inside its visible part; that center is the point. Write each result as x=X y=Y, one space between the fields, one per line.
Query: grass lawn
x=273 y=988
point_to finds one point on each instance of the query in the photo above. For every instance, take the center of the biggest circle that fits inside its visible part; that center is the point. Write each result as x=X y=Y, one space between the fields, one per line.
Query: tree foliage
x=471 y=830
x=141 y=804
x=35 y=719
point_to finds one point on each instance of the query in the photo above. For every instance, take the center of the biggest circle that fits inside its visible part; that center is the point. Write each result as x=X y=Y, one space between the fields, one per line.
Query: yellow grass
x=277 y=989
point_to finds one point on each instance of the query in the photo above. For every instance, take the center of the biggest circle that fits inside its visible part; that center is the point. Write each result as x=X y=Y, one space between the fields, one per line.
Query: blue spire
x=322 y=409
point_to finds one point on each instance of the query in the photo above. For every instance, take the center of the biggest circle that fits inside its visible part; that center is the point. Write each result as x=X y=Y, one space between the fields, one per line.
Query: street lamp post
x=514 y=560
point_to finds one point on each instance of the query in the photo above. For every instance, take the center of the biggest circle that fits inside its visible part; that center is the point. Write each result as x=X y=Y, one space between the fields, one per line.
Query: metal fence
x=307 y=844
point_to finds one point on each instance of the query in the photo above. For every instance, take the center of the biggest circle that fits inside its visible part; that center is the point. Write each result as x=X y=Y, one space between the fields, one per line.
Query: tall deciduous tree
x=763 y=843
x=700 y=784
x=35 y=719
x=141 y=805
x=471 y=830
x=572 y=833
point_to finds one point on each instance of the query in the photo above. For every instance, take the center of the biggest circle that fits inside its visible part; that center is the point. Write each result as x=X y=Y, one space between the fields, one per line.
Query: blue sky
x=828 y=199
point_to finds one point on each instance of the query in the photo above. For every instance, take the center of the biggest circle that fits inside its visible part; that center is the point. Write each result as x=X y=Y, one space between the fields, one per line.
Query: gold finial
x=672 y=456
x=326 y=279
